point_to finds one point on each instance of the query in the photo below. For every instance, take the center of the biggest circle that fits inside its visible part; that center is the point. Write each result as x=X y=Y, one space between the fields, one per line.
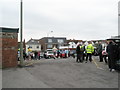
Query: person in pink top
x=104 y=54
x=39 y=55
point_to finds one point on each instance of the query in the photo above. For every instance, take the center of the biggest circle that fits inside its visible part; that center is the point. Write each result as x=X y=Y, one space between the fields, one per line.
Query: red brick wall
x=0 y=52
x=9 y=51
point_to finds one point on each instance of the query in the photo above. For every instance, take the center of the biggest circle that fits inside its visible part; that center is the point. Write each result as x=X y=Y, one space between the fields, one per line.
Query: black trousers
x=104 y=57
x=90 y=57
x=82 y=56
x=78 y=58
x=101 y=57
x=111 y=62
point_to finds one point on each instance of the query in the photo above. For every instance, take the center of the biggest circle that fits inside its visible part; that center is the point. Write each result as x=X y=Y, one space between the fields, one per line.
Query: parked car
x=49 y=54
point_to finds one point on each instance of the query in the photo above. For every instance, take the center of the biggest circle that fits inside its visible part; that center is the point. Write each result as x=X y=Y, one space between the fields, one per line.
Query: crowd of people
x=30 y=55
x=110 y=53
x=37 y=55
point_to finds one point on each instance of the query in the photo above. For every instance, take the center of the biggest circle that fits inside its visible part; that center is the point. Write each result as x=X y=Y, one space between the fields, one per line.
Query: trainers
x=86 y=62
x=112 y=70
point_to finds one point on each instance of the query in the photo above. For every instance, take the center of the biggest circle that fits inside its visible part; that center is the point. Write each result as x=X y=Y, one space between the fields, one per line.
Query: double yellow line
x=97 y=65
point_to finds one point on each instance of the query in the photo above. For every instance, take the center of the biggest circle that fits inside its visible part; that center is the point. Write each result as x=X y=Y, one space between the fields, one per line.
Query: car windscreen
x=50 y=52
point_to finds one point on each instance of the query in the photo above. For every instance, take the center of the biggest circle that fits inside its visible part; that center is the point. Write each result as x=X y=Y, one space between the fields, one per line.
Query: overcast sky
x=74 y=19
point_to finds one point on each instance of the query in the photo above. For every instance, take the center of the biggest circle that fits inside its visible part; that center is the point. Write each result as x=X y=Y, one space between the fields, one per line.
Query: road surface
x=61 y=73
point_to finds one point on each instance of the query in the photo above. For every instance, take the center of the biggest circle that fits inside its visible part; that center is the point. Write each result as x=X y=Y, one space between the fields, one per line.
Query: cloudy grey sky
x=78 y=19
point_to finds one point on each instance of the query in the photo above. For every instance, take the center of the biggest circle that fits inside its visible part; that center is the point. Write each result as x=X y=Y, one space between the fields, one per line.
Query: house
x=33 y=44
x=116 y=39
x=72 y=44
x=51 y=42
x=74 y=41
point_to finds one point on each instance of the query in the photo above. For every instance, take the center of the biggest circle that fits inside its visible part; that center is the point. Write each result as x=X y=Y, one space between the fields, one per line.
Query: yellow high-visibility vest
x=90 y=48
x=82 y=46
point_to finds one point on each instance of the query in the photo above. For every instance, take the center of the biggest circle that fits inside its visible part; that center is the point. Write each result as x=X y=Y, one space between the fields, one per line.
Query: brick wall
x=9 y=49
x=0 y=52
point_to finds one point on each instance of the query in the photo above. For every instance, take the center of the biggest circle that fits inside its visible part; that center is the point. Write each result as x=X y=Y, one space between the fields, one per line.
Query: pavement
x=60 y=73
x=20 y=78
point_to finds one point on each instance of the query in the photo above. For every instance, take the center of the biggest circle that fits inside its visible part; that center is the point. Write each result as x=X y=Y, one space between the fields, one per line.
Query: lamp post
x=49 y=33
x=118 y=18
x=21 y=31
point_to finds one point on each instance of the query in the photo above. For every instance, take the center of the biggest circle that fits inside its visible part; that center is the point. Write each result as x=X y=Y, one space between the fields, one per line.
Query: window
x=60 y=41
x=49 y=46
x=37 y=47
x=32 y=40
x=117 y=40
x=49 y=40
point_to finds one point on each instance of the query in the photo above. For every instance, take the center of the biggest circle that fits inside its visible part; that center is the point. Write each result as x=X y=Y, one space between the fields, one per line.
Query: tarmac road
x=61 y=73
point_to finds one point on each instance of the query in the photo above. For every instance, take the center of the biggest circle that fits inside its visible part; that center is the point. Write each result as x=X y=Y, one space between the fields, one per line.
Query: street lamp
x=21 y=31
x=49 y=33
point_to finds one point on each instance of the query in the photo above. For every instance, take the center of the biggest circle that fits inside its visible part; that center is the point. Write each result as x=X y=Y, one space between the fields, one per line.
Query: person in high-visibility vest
x=89 y=50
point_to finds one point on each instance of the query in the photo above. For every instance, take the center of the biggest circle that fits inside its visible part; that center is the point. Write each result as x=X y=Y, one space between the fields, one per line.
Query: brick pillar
x=9 y=40
x=0 y=51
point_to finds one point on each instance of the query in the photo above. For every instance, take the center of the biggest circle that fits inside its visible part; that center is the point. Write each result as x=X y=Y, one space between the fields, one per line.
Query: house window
x=49 y=46
x=32 y=40
x=49 y=40
x=37 y=47
x=60 y=40
x=117 y=40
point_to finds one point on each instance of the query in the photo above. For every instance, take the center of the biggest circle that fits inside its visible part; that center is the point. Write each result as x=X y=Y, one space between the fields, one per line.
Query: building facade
x=34 y=45
x=51 y=42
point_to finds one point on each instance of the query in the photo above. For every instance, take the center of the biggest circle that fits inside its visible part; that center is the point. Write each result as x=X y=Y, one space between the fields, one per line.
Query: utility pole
x=49 y=33
x=21 y=32
x=119 y=18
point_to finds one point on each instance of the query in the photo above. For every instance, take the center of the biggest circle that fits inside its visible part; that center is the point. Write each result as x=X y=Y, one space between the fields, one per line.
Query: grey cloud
x=10 y=14
x=82 y=23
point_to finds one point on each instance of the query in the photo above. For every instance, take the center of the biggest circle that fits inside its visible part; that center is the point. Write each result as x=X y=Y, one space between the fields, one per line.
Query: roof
x=114 y=38
x=33 y=41
x=53 y=37
x=9 y=30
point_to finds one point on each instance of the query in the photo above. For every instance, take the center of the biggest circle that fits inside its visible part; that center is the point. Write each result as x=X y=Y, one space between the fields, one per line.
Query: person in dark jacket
x=82 y=49
x=24 y=55
x=78 y=52
x=36 y=55
x=99 y=51
x=112 y=54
